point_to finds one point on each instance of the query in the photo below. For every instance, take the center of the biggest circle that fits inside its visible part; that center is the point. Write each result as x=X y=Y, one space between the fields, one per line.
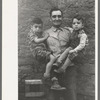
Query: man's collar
x=55 y=29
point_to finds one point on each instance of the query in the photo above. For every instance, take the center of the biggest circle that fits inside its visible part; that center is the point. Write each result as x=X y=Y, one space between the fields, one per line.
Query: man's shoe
x=56 y=85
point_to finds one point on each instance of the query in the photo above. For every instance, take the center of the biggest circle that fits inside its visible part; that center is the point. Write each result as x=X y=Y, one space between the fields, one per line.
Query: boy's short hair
x=55 y=9
x=79 y=17
x=36 y=21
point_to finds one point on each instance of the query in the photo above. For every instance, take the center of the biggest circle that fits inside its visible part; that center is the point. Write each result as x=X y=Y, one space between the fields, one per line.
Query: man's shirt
x=58 y=39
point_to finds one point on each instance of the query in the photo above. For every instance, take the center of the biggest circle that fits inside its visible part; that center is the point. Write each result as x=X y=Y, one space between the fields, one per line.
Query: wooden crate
x=34 y=88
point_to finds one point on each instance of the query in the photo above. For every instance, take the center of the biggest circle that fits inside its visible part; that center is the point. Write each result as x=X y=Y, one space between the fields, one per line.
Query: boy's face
x=56 y=18
x=37 y=28
x=77 y=24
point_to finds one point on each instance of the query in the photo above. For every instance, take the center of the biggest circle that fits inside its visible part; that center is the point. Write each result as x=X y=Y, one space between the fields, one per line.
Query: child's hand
x=72 y=51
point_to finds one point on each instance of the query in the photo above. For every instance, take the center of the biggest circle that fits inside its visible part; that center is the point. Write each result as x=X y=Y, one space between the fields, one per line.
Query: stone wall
x=27 y=10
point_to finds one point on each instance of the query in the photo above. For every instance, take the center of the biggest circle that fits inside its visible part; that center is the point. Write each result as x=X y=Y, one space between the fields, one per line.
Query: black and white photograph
x=55 y=50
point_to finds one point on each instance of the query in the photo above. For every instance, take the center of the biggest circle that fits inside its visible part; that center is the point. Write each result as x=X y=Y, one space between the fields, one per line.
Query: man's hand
x=72 y=54
x=60 y=70
x=46 y=36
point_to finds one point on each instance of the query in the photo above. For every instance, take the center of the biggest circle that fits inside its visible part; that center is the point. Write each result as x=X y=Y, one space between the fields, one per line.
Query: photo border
x=0 y=49
x=14 y=4
x=10 y=50
x=98 y=49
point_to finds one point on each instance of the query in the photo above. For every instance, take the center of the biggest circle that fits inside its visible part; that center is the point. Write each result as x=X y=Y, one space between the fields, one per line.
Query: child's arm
x=83 y=39
x=34 y=38
x=39 y=40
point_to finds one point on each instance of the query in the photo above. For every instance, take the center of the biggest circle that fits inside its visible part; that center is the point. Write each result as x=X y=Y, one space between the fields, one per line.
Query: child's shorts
x=41 y=54
x=77 y=58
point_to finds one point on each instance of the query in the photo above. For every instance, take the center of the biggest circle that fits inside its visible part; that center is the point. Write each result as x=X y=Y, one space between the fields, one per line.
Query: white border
x=10 y=50
x=96 y=50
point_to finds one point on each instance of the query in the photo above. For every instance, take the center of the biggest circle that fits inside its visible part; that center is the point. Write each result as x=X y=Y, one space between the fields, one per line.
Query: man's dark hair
x=55 y=9
x=79 y=17
x=36 y=21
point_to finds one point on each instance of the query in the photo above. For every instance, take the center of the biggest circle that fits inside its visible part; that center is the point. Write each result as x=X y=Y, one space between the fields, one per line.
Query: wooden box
x=34 y=88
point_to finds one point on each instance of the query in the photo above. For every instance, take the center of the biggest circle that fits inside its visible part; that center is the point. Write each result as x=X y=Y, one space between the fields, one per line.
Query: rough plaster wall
x=30 y=8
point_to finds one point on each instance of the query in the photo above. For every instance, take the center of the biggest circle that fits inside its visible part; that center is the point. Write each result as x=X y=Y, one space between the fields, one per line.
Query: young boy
x=36 y=40
x=38 y=47
x=78 y=43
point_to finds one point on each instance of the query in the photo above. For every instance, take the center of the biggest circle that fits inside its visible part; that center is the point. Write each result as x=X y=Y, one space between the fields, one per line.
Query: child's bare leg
x=68 y=61
x=64 y=55
x=65 y=65
x=49 y=66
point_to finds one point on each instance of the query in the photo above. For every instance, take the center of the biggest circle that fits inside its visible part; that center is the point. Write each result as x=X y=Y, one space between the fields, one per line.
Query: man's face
x=56 y=18
x=77 y=24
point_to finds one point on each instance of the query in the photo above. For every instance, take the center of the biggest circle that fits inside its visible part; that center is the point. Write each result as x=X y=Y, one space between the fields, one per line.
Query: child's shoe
x=46 y=75
x=55 y=65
